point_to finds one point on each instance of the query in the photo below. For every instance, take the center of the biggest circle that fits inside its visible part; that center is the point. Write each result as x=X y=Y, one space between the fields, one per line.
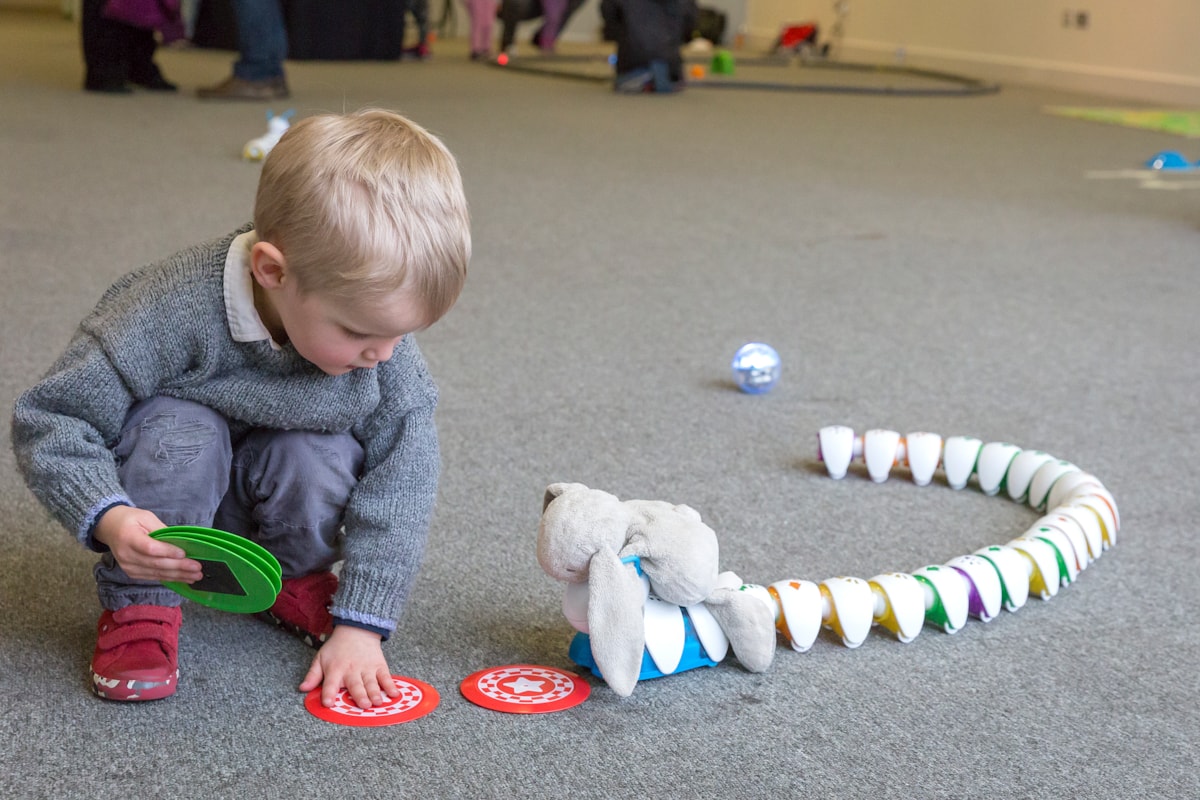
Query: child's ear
x=267 y=265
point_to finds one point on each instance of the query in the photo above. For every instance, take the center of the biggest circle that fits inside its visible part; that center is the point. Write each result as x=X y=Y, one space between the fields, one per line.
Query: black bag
x=710 y=24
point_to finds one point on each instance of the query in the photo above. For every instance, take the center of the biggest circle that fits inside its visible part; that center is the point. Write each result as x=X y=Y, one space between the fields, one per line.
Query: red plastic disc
x=416 y=699
x=525 y=689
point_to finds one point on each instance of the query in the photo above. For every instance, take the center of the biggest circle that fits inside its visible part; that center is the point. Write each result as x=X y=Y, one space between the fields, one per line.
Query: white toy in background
x=277 y=125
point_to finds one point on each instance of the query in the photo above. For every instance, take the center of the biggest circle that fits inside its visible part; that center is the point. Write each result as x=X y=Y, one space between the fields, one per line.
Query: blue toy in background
x=756 y=368
x=1169 y=160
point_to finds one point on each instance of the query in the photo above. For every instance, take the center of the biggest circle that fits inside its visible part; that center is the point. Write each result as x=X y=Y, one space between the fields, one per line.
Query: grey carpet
x=938 y=264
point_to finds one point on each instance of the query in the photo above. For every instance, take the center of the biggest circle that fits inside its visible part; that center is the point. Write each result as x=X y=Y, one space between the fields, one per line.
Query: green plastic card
x=239 y=575
x=252 y=551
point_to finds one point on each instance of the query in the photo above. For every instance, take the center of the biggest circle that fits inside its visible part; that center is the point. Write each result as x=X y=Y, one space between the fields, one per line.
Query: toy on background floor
x=722 y=63
x=641 y=579
x=1169 y=160
x=756 y=368
x=1079 y=522
x=277 y=124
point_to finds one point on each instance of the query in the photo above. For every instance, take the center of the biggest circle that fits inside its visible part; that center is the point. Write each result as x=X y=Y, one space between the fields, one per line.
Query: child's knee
x=174 y=435
x=173 y=457
x=331 y=461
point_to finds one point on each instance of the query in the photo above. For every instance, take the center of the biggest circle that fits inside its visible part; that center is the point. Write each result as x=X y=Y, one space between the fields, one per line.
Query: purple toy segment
x=975 y=605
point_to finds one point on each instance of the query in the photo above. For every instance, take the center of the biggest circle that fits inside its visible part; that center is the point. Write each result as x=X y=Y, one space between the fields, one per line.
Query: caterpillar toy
x=1080 y=522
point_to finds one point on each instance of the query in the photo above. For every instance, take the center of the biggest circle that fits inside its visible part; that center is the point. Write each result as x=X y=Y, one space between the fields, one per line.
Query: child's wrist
x=340 y=622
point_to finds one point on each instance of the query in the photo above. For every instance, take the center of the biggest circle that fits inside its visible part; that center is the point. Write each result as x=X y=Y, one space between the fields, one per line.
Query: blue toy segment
x=694 y=655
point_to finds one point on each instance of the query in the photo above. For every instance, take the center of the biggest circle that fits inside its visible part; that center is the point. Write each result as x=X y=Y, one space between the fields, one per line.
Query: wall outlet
x=1076 y=19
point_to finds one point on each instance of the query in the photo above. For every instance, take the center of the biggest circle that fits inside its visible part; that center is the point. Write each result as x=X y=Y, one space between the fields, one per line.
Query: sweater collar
x=245 y=324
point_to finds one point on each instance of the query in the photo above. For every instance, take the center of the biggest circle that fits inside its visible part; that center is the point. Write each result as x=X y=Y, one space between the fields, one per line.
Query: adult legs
x=262 y=39
x=262 y=48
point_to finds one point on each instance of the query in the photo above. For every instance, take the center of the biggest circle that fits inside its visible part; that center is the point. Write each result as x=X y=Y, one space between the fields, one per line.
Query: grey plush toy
x=583 y=537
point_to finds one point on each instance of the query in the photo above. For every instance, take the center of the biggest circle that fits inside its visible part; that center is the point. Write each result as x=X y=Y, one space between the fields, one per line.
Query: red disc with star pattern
x=416 y=699
x=525 y=689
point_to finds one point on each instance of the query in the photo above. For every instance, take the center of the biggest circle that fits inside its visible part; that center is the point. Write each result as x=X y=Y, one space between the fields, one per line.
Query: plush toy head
x=676 y=550
x=584 y=535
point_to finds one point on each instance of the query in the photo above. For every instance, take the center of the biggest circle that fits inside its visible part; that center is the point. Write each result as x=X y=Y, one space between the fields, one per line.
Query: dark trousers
x=114 y=52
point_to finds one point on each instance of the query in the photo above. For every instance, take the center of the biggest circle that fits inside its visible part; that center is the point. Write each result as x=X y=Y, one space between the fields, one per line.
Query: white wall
x=1145 y=50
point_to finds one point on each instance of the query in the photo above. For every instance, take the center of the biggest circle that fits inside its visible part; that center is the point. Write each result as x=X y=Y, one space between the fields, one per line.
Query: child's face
x=338 y=335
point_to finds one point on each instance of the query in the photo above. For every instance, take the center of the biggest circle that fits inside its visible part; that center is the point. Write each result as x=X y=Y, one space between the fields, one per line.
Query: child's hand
x=351 y=658
x=126 y=531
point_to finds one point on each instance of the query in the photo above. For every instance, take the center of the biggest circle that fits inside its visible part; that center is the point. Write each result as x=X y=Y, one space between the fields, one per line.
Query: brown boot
x=235 y=88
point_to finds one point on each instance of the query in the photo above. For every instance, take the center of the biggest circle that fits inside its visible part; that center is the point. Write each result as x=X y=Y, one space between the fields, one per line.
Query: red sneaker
x=302 y=607
x=137 y=653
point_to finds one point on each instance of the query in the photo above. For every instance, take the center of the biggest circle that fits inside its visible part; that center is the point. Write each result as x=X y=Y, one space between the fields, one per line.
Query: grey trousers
x=286 y=490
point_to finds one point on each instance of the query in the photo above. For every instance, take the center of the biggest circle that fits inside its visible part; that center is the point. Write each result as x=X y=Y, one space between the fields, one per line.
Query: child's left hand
x=351 y=658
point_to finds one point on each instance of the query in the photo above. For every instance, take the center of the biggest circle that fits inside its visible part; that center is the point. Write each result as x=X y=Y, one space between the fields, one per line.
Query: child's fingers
x=157 y=549
x=354 y=687
x=313 y=678
x=389 y=686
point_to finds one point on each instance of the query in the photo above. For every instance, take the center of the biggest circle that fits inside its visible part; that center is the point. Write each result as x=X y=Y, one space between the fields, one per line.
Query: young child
x=266 y=383
x=648 y=34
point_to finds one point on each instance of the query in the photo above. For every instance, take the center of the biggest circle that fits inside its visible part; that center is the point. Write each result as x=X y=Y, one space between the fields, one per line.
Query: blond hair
x=366 y=204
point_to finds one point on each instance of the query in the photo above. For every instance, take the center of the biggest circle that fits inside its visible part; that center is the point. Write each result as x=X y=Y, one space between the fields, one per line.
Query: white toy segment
x=1014 y=571
x=924 y=451
x=985 y=592
x=708 y=631
x=1104 y=515
x=1068 y=570
x=665 y=633
x=575 y=605
x=1044 y=579
x=1044 y=480
x=1089 y=524
x=946 y=597
x=800 y=605
x=899 y=604
x=994 y=460
x=850 y=608
x=959 y=455
x=1071 y=486
x=1113 y=513
x=1074 y=534
x=880 y=448
x=1021 y=470
x=836 y=449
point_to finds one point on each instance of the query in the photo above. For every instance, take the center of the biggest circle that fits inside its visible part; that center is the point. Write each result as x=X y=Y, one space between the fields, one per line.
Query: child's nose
x=382 y=352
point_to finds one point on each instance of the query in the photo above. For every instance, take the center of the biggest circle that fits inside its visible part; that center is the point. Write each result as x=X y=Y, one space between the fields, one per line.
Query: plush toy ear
x=555 y=489
x=618 y=635
x=748 y=623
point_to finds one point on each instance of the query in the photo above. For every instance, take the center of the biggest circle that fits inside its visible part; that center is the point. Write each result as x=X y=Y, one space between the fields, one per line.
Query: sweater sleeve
x=387 y=518
x=62 y=430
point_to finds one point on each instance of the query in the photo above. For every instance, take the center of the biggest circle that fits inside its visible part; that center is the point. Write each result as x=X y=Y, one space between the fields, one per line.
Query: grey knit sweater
x=163 y=330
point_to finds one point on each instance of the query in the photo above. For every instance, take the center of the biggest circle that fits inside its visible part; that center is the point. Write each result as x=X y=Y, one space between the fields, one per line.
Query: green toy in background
x=722 y=63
